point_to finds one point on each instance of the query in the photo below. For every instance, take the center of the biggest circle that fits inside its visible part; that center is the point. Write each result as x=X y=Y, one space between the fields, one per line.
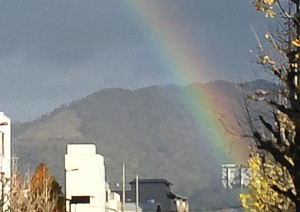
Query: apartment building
x=85 y=179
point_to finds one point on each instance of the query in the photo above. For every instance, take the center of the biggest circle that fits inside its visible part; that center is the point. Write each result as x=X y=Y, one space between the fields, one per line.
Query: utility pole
x=14 y=170
x=136 y=193
x=123 y=189
x=14 y=164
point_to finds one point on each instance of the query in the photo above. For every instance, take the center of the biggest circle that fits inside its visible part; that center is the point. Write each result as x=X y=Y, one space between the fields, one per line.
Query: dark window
x=2 y=143
x=80 y=199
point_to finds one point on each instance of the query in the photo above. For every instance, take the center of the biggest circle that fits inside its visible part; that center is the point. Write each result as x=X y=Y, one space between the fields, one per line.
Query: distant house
x=180 y=202
x=155 y=195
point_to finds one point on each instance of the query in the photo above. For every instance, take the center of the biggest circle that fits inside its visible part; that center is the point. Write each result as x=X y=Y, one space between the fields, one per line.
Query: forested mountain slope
x=152 y=130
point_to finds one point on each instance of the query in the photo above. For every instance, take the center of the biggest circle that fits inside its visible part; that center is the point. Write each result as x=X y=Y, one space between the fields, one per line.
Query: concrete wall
x=85 y=176
x=113 y=201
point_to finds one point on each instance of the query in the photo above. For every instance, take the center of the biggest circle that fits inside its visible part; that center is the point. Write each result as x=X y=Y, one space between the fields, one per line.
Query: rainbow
x=161 y=24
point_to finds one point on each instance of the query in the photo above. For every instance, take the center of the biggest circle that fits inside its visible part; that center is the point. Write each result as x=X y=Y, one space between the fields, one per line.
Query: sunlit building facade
x=5 y=157
x=85 y=179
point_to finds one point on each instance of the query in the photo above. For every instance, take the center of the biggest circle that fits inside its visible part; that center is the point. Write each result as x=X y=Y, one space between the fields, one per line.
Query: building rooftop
x=176 y=196
x=152 y=181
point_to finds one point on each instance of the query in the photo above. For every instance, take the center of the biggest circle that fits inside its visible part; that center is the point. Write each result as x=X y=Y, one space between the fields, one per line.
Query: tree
x=18 y=200
x=261 y=196
x=278 y=137
x=4 y=182
x=45 y=192
x=40 y=193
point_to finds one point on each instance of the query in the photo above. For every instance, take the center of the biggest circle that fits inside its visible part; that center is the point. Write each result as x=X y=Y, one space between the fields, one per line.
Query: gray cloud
x=52 y=52
x=64 y=32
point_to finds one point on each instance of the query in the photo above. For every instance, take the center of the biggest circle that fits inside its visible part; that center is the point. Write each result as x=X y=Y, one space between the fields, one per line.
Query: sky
x=55 y=51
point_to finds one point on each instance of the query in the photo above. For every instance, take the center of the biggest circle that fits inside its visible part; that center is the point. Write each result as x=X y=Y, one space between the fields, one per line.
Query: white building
x=235 y=176
x=85 y=179
x=113 y=200
x=5 y=155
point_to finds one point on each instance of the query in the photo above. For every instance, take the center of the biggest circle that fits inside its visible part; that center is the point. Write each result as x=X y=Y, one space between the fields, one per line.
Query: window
x=151 y=201
x=2 y=143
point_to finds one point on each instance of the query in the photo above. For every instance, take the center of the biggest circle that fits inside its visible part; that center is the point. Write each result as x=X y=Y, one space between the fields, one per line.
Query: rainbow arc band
x=186 y=62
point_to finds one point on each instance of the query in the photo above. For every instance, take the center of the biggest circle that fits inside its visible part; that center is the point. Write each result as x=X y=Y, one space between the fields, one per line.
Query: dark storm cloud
x=222 y=30
x=63 y=31
x=55 y=51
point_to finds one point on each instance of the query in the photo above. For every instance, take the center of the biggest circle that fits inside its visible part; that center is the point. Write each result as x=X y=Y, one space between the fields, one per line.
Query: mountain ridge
x=149 y=129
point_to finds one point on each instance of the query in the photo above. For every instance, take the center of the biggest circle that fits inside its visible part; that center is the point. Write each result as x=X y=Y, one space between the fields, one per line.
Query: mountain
x=151 y=130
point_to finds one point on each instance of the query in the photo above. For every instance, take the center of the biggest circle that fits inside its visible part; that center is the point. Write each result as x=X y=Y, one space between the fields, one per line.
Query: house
x=5 y=158
x=181 y=203
x=155 y=195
